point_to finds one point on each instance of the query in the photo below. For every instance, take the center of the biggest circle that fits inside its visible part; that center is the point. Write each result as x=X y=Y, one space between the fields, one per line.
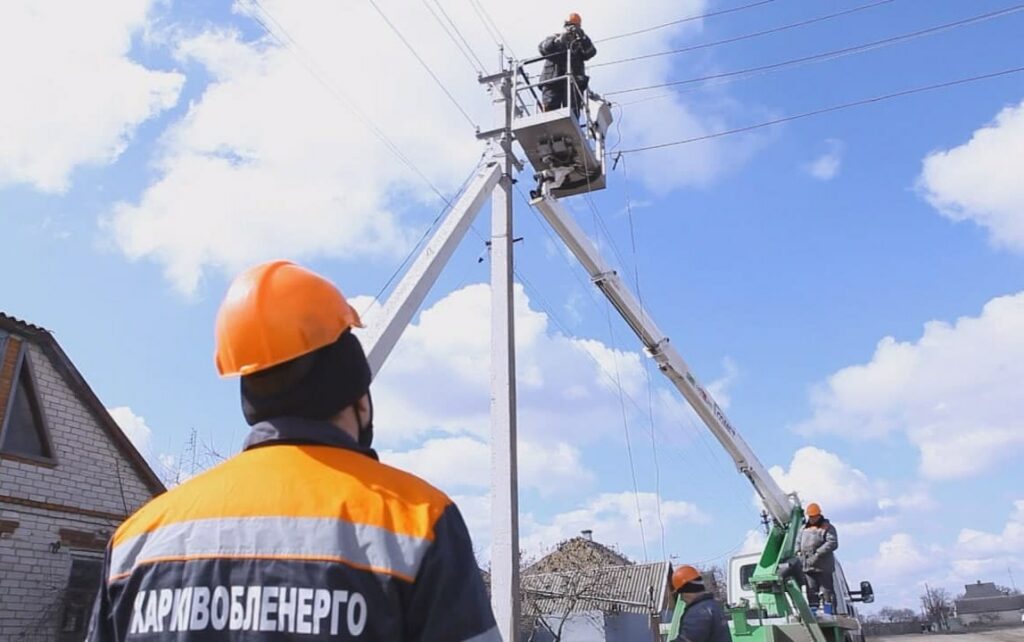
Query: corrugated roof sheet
x=635 y=588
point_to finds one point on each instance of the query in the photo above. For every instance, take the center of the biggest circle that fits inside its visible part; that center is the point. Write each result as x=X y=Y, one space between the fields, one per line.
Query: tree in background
x=937 y=605
x=892 y=614
x=714 y=582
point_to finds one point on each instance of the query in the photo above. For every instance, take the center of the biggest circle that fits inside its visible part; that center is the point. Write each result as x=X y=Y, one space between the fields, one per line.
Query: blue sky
x=775 y=260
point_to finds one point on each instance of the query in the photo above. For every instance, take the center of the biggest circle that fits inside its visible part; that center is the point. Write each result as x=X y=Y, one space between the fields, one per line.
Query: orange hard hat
x=684 y=575
x=813 y=510
x=574 y=18
x=275 y=312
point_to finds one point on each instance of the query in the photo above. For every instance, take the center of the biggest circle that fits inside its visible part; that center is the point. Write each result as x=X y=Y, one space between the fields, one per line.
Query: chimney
x=589 y=534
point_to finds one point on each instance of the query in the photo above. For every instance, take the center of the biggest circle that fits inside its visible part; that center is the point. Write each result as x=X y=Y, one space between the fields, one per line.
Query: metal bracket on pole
x=407 y=297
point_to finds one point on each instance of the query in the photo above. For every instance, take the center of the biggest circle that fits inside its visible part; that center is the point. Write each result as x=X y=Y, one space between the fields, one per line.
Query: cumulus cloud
x=72 y=95
x=953 y=393
x=135 y=427
x=272 y=161
x=437 y=379
x=817 y=475
x=980 y=180
x=981 y=545
x=827 y=166
x=615 y=521
x=461 y=463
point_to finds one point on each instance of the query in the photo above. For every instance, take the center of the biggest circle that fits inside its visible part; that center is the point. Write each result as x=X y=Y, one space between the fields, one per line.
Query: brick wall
x=90 y=476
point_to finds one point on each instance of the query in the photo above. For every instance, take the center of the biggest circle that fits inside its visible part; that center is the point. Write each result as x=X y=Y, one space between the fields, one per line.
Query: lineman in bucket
x=703 y=620
x=304 y=535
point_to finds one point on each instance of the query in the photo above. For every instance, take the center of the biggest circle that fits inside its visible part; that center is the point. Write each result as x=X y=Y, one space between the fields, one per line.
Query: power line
x=748 y=36
x=481 y=13
x=687 y=19
x=477 y=68
x=425 y=66
x=829 y=55
x=825 y=110
x=310 y=66
x=458 y=32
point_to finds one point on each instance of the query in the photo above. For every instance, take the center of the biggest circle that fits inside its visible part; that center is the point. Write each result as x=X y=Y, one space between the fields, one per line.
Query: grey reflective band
x=490 y=635
x=363 y=546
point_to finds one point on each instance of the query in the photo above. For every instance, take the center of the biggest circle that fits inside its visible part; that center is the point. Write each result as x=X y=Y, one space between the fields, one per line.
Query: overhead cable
x=424 y=64
x=748 y=36
x=825 y=110
x=477 y=68
x=293 y=47
x=712 y=14
x=458 y=32
x=829 y=55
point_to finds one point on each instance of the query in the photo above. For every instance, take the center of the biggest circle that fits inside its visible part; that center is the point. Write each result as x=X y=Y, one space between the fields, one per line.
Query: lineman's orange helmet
x=275 y=312
x=683 y=576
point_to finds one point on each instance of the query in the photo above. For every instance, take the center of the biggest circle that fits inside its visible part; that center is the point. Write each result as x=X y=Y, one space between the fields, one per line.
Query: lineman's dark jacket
x=704 y=621
x=555 y=48
x=817 y=546
x=303 y=536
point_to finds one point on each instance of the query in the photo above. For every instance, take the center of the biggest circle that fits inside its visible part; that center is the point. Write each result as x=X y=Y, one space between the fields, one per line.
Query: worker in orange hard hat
x=566 y=53
x=704 y=619
x=304 y=533
x=816 y=549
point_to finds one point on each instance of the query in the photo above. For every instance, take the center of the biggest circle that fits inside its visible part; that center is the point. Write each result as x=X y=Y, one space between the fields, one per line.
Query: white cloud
x=72 y=96
x=827 y=166
x=844 y=492
x=614 y=519
x=134 y=426
x=719 y=388
x=267 y=163
x=753 y=542
x=437 y=378
x=954 y=392
x=980 y=544
x=465 y=463
x=980 y=180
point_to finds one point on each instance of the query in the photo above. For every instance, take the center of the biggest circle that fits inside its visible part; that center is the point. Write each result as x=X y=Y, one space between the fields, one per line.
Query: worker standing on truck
x=704 y=619
x=817 y=545
x=304 y=534
x=566 y=53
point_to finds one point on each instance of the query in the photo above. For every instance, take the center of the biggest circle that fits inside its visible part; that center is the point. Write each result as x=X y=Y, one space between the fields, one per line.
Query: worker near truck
x=816 y=547
x=304 y=534
x=703 y=619
x=566 y=53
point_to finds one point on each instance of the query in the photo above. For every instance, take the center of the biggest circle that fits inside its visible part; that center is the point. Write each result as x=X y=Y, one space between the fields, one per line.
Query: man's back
x=296 y=541
x=704 y=621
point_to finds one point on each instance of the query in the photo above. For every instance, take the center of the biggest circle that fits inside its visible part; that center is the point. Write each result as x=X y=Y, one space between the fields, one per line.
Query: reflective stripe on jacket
x=302 y=536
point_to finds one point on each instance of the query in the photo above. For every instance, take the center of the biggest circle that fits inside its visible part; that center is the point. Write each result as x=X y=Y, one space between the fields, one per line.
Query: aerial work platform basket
x=565 y=146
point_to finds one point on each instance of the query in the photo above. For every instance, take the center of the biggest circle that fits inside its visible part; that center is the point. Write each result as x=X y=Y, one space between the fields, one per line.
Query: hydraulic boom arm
x=671 y=364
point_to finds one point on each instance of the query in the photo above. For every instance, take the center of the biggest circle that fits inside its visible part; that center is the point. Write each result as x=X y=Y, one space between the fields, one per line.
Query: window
x=23 y=434
x=746 y=572
x=83 y=582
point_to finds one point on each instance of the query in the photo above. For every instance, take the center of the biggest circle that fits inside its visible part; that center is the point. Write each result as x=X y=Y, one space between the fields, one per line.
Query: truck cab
x=739 y=589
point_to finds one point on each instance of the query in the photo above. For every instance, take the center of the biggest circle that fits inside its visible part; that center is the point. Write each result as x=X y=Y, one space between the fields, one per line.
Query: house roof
x=982 y=589
x=990 y=604
x=632 y=588
x=576 y=553
x=45 y=340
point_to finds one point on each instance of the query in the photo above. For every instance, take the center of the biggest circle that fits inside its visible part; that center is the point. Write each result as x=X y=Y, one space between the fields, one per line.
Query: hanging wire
x=829 y=55
x=825 y=110
x=458 y=32
x=426 y=67
x=489 y=23
x=478 y=68
x=309 y=65
x=748 y=36
x=702 y=16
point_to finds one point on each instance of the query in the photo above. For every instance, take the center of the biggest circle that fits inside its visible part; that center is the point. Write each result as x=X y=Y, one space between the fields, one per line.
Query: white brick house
x=68 y=477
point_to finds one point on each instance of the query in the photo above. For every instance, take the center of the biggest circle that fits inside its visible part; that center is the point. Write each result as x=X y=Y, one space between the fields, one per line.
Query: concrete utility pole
x=504 y=469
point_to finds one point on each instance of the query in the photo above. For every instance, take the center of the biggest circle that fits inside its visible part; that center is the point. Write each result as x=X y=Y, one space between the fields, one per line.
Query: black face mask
x=365 y=429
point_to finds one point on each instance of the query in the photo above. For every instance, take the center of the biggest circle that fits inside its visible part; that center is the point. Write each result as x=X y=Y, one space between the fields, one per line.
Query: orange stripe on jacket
x=298 y=481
